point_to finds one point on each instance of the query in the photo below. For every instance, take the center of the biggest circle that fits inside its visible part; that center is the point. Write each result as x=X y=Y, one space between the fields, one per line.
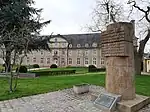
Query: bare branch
x=146 y=12
x=106 y=11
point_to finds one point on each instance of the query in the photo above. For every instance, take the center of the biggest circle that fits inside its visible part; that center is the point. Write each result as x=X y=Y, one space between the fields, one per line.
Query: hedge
x=58 y=72
x=97 y=70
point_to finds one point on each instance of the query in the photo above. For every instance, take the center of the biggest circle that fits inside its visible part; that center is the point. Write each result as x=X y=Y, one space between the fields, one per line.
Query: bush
x=92 y=68
x=23 y=69
x=53 y=66
x=35 y=66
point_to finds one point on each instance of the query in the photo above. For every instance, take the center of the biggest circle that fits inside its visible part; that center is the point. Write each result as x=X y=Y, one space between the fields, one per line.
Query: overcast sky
x=68 y=16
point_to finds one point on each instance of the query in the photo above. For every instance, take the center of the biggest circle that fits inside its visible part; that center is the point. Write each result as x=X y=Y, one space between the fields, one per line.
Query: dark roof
x=82 y=39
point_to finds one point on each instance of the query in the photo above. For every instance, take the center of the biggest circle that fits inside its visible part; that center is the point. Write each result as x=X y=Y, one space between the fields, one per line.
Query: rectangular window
x=48 y=60
x=62 y=60
x=42 y=60
x=70 y=60
x=86 y=61
x=63 y=52
x=28 y=59
x=78 y=61
x=94 y=52
x=102 y=62
x=86 y=52
x=55 y=44
x=63 y=44
x=94 y=61
x=79 y=52
x=70 y=53
x=34 y=60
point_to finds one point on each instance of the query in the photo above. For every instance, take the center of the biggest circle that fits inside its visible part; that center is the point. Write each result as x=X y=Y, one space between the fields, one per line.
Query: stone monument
x=117 y=47
x=118 y=50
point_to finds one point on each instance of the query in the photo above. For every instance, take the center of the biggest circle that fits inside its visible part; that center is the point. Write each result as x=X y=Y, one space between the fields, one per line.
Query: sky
x=68 y=16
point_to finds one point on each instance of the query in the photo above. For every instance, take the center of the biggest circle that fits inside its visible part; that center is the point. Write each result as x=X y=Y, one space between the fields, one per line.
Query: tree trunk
x=138 y=64
x=8 y=61
x=138 y=55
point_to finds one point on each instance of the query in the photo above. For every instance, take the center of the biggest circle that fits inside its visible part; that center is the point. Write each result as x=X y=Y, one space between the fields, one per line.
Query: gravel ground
x=59 y=101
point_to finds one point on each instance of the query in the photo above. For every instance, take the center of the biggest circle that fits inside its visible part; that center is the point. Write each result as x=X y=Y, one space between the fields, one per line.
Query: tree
x=105 y=12
x=110 y=11
x=19 y=30
x=146 y=18
x=14 y=14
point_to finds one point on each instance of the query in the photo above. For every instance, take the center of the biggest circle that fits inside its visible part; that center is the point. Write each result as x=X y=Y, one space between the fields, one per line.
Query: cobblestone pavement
x=59 y=101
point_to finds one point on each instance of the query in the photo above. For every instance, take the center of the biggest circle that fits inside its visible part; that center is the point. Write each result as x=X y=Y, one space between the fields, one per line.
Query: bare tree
x=19 y=43
x=145 y=16
x=105 y=12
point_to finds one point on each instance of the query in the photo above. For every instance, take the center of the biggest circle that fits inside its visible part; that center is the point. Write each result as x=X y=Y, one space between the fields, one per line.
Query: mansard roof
x=83 y=39
x=80 y=39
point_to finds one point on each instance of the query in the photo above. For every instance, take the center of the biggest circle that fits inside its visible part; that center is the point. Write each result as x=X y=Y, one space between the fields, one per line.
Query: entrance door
x=56 y=61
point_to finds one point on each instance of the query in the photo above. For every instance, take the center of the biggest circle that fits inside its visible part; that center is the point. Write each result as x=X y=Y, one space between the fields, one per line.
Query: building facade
x=69 y=50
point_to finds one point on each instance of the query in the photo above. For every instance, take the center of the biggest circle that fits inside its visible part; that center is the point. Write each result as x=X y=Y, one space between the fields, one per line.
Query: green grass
x=45 y=84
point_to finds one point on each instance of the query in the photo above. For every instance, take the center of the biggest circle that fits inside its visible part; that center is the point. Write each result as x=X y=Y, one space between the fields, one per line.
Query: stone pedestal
x=117 y=47
x=119 y=77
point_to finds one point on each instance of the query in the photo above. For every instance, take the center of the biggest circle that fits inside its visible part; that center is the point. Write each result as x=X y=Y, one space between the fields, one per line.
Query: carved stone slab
x=107 y=101
x=115 y=41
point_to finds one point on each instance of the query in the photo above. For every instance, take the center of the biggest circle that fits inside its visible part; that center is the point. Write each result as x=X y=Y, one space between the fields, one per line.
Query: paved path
x=59 y=101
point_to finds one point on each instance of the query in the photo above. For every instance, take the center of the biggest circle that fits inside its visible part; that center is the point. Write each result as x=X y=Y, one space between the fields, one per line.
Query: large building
x=69 y=50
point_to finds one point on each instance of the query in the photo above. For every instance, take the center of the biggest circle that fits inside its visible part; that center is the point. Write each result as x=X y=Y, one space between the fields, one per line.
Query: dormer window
x=55 y=52
x=55 y=40
x=94 y=44
x=86 y=45
x=78 y=45
x=70 y=46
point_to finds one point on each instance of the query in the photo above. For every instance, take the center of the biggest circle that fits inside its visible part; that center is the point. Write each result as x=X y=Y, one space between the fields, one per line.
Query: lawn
x=45 y=84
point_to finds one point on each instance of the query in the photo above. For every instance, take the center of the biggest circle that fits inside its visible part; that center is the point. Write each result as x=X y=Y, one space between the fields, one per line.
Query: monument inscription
x=115 y=42
x=107 y=101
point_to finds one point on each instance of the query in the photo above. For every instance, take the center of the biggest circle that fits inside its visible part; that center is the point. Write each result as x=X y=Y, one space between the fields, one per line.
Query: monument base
x=133 y=105
x=129 y=105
